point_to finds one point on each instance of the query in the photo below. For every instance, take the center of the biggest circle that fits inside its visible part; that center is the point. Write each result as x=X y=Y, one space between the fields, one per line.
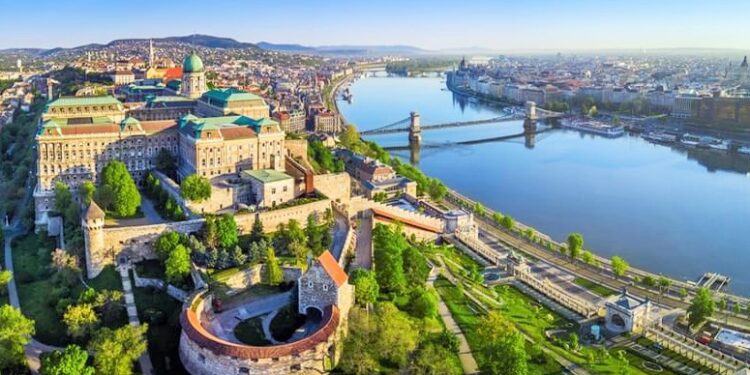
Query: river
x=663 y=209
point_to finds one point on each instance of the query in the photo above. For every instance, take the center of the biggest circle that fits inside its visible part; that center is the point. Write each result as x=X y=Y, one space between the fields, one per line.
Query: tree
x=177 y=265
x=423 y=303
x=273 y=273
x=226 y=231
x=415 y=267
x=65 y=266
x=389 y=245
x=433 y=359
x=195 y=188
x=508 y=222
x=575 y=244
x=502 y=344
x=593 y=111
x=397 y=335
x=86 y=192
x=211 y=232
x=126 y=197
x=701 y=308
x=105 y=197
x=573 y=340
x=349 y=137
x=63 y=197
x=81 y=319
x=479 y=209
x=587 y=257
x=257 y=233
x=5 y=278
x=683 y=293
x=619 y=266
x=71 y=361
x=116 y=350
x=664 y=284
x=315 y=235
x=166 y=243
x=366 y=289
x=15 y=332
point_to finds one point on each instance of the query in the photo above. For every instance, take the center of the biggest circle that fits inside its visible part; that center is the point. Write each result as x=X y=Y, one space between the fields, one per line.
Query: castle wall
x=254 y=275
x=336 y=186
x=272 y=219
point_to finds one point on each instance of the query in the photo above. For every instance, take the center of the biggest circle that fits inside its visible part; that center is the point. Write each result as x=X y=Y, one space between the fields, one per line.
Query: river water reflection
x=664 y=209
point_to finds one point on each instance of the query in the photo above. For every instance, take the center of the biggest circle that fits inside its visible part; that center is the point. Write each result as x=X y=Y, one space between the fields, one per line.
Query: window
x=309 y=284
x=325 y=287
x=244 y=370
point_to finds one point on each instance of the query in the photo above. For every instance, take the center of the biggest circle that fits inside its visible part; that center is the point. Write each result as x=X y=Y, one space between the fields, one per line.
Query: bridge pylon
x=415 y=129
x=531 y=110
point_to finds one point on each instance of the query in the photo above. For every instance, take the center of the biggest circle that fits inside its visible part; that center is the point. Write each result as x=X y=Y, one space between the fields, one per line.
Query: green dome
x=192 y=64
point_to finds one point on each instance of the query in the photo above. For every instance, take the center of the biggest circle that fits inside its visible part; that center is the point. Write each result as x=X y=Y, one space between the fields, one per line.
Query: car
x=703 y=339
x=657 y=347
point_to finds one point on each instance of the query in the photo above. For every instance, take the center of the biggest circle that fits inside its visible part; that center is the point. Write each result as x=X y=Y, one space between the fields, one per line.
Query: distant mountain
x=344 y=50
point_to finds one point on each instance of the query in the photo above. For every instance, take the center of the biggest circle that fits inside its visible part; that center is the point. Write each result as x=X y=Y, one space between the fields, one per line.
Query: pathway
x=663 y=359
x=224 y=323
x=468 y=363
x=363 y=257
x=145 y=361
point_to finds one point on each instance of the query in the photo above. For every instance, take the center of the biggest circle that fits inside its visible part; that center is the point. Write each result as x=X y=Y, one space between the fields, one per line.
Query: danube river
x=663 y=209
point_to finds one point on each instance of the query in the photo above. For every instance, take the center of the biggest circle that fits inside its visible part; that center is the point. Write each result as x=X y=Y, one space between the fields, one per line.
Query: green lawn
x=39 y=295
x=162 y=314
x=595 y=288
x=251 y=332
x=252 y=292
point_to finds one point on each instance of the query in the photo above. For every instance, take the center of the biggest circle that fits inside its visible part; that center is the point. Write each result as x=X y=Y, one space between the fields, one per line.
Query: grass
x=252 y=292
x=595 y=288
x=162 y=314
x=668 y=353
x=39 y=295
x=285 y=323
x=250 y=332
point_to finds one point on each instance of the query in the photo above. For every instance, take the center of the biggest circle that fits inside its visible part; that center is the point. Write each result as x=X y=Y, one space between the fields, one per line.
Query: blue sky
x=435 y=24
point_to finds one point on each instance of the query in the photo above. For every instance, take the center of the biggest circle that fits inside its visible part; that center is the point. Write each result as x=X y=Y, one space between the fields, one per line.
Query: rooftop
x=267 y=175
x=67 y=101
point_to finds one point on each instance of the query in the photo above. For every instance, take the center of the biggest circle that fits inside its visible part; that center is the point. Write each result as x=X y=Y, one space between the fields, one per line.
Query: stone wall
x=271 y=219
x=296 y=148
x=254 y=275
x=336 y=186
x=105 y=244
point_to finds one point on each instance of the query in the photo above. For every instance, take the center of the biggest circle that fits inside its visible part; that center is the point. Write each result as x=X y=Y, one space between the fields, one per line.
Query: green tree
x=502 y=344
x=227 y=231
x=71 y=361
x=81 y=319
x=349 y=137
x=195 y=188
x=257 y=233
x=432 y=359
x=105 y=197
x=15 y=332
x=415 y=267
x=508 y=222
x=389 y=245
x=86 y=192
x=126 y=197
x=115 y=351
x=211 y=232
x=701 y=308
x=575 y=245
x=683 y=293
x=63 y=197
x=315 y=234
x=619 y=266
x=573 y=340
x=479 y=209
x=587 y=257
x=273 y=273
x=366 y=288
x=177 y=265
x=664 y=284
x=5 y=277
x=397 y=335
x=423 y=303
x=165 y=243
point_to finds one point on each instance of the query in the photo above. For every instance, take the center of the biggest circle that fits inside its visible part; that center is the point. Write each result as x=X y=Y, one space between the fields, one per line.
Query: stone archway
x=618 y=321
x=313 y=314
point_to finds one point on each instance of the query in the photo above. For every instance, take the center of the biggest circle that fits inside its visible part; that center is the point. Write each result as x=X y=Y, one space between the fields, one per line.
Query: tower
x=415 y=129
x=193 y=76
x=150 y=53
x=92 y=223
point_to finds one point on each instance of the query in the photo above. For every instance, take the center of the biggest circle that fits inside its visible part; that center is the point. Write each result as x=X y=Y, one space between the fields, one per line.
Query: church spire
x=150 y=53
x=744 y=63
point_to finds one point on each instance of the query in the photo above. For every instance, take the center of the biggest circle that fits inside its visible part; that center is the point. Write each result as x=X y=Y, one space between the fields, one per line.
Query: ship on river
x=594 y=127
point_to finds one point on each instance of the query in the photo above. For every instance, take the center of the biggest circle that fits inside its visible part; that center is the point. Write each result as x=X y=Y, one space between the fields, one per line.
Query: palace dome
x=192 y=63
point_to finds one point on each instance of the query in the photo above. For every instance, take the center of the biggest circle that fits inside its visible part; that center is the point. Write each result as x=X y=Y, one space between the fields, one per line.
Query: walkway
x=145 y=361
x=363 y=257
x=340 y=229
x=664 y=360
x=224 y=323
x=468 y=363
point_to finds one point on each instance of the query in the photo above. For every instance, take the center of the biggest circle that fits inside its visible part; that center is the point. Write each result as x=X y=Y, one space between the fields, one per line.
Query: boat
x=660 y=137
x=744 y=150
x=713 y=143
x=690 y=140
x=595 y=127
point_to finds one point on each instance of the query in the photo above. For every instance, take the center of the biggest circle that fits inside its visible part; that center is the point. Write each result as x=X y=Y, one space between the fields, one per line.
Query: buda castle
x=210 y=132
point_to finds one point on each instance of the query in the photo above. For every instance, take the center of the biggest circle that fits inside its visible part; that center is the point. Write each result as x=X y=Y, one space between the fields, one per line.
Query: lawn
x=250 y=332
x=162 y=314
x=595 y=288
x=39 y=295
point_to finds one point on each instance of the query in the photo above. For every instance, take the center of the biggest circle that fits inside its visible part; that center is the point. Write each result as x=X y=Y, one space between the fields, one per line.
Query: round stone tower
x=92 y=223
x=193 y=76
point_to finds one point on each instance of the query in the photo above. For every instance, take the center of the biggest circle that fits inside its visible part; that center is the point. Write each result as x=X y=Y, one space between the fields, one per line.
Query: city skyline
x=619 y=25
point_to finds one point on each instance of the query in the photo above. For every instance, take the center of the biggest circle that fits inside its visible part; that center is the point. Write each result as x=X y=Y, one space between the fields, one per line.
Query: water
x=663 y=209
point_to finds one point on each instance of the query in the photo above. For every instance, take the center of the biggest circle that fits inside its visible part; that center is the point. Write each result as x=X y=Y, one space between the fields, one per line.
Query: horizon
x=623 y=25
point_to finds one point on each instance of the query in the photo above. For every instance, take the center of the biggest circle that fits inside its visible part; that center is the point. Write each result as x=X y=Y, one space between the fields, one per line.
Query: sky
x=556 y=25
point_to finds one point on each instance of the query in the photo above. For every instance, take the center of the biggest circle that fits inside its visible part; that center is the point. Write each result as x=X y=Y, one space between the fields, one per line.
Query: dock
x=713 y=281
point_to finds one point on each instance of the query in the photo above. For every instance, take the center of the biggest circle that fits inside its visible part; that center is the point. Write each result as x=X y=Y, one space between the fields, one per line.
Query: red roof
x=173 y=73
x=332 y=268
x=237 y=133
